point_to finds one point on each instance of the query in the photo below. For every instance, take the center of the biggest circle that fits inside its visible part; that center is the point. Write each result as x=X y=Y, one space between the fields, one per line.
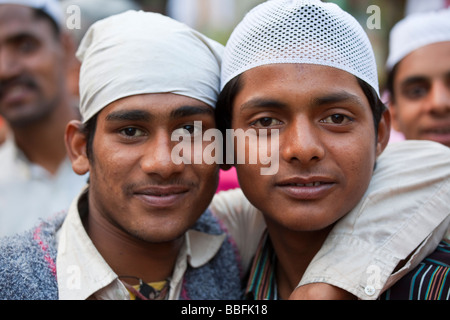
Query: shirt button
x=369 y=290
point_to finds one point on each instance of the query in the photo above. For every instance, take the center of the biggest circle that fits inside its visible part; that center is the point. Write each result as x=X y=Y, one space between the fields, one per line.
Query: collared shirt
x=84 y=274
x=29 y=192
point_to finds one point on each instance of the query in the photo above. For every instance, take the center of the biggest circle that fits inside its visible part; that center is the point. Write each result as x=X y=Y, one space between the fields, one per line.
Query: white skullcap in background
x=415 y=31
x=296 y=31
x=51 y=7
x=140 y=52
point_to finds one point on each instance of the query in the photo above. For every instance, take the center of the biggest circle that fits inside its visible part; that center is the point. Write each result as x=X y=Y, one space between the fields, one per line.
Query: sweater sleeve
x=26 y=268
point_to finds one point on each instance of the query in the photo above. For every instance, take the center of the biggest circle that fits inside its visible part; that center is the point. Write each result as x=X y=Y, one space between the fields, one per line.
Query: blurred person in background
x=36 y=177
x=418 y=82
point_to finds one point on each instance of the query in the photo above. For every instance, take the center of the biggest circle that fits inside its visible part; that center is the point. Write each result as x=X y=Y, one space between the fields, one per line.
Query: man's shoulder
x=28 y=262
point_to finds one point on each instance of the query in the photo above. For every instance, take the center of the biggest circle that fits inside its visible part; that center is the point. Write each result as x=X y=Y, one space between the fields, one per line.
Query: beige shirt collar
x=83 y=273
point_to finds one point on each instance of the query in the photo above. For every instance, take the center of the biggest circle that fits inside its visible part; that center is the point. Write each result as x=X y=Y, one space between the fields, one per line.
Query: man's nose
x=157 y=159
x=301 y=143
x=10 y=65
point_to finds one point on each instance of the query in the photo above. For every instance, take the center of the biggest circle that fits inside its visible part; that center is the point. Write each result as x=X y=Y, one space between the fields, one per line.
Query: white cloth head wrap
x=415 y=31
x=140 y=52
x=299 y=31
x=51 y=7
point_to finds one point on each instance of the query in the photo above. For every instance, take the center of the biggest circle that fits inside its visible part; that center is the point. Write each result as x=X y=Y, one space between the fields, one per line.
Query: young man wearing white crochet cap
x=304 y=73
x=419 y=76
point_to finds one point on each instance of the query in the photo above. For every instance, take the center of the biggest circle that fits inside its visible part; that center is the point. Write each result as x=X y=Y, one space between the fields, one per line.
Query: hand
x=320 y=291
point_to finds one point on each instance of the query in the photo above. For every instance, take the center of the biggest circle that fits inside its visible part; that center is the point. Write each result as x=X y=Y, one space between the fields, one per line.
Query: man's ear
x=76 y=144
x=384 y=132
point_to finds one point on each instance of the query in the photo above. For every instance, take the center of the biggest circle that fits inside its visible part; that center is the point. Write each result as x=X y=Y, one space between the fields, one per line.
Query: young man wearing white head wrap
x=419 y=76
x=141 y=227
x=304 y=71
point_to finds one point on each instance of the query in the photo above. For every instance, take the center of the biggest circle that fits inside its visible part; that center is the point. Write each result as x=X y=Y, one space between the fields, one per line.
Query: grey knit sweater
x=28 y=266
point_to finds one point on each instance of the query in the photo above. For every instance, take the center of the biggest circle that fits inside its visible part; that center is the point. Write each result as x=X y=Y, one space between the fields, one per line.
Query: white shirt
x=29 y=192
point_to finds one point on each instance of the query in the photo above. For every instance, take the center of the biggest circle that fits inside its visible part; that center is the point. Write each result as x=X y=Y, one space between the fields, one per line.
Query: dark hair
x=89 y=129
x=223 y=111
x=41 y=14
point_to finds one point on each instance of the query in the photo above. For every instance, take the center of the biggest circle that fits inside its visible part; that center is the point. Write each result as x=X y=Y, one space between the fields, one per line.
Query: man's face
x=31 y=66
x=327 y=143
x=421 y=109
x=134 y=184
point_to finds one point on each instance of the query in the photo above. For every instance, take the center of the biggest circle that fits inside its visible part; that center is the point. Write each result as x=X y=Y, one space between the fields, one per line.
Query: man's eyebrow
x=419 y=78
x=142 y=115
x=20 y=36
x=413 y=79
x=336 y=97
x=256 y=103
x=129 y=115
x=186 y=111
x=316 y=101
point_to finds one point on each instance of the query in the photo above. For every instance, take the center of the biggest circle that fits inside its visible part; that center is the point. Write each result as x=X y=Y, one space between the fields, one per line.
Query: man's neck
x=294 y=250
x=132 y=257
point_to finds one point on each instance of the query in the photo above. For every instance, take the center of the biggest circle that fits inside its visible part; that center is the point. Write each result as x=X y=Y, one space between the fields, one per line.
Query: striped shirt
x=430 y=280
x=262 y=283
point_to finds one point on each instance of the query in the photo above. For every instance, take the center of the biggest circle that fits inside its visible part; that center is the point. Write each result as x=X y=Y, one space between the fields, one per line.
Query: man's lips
x=437 y=133
x=15 y=91
x=306 y=188
x=161 y=196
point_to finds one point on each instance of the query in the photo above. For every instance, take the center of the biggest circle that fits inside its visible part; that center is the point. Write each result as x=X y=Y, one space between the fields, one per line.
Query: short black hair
x=223 y=111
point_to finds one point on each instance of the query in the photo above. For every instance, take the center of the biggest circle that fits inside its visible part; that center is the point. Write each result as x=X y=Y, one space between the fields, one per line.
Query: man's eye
x=415 y=92
x=132 y=132
x=27 y=45
x=266 y=122
x=337 y=119
x=188 y=129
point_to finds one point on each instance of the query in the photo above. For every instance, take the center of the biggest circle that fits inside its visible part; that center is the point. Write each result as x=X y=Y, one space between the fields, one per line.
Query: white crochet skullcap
x=415 y=31
x=299 y=31
x=139 y=52
x=51 y=7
